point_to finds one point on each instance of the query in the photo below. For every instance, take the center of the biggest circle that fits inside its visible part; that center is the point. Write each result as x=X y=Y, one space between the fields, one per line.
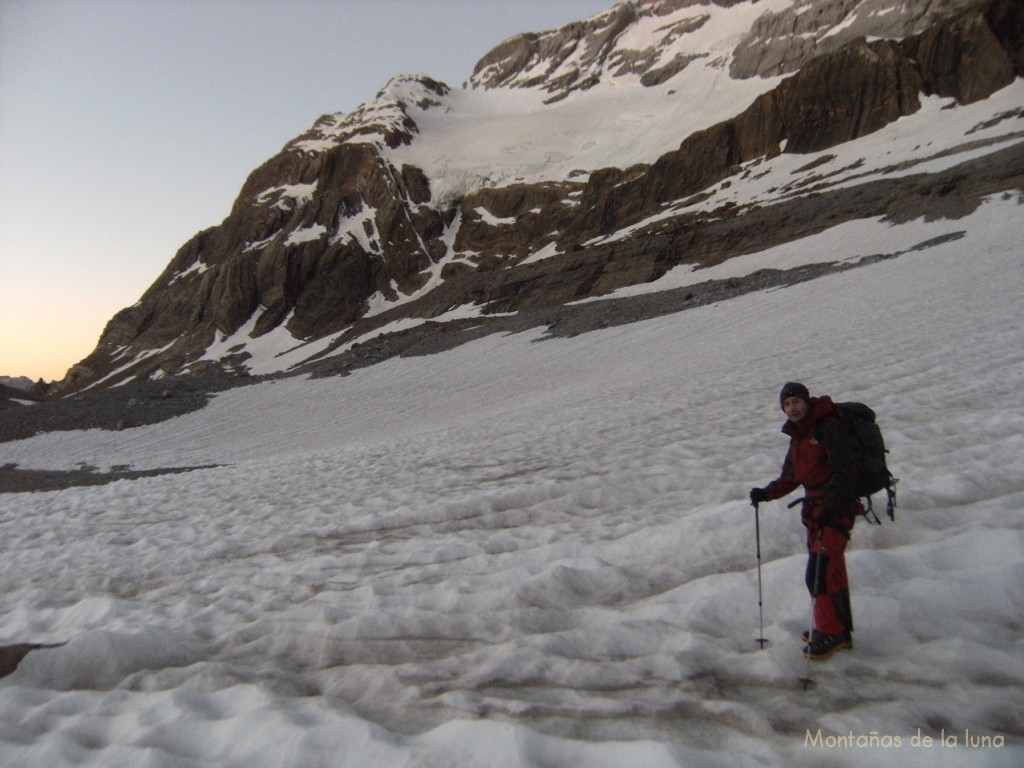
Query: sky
x=126 y=127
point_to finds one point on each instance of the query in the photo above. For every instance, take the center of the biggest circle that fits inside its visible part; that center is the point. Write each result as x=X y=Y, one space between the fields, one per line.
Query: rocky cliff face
x=369 y=219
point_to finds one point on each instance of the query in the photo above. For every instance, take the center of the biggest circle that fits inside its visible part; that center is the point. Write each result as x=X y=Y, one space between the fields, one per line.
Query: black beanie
x=794 y=389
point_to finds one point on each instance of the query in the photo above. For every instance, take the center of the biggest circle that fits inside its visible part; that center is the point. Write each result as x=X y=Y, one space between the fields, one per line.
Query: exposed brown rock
x=315 y=236
x=836 y=98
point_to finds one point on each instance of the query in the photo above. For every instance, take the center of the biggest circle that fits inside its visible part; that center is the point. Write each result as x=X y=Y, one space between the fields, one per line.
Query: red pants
x=827 y=581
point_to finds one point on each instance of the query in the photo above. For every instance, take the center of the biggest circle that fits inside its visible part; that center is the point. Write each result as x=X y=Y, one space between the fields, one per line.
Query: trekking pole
x=807 y=680
x=760 y=594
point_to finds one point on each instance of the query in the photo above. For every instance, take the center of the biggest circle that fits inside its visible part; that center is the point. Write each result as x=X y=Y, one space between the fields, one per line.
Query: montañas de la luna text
x=878 y=740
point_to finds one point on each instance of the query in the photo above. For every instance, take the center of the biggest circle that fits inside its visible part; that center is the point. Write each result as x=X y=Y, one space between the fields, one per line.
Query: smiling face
x=795 y=408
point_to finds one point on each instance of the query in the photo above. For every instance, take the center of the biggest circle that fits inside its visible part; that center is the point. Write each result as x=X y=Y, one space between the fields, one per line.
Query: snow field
x=529 y=551
x=616 y=118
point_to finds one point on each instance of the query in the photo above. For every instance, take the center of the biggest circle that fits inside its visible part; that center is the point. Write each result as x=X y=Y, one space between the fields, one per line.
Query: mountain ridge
x=370 y=213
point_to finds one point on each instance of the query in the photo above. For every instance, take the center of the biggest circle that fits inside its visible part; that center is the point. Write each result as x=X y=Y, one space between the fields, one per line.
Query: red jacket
x=822 y=459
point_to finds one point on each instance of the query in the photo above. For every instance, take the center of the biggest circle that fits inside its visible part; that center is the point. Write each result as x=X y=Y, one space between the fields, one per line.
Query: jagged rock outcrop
x=342 y=231
x=973 y=54
x=576 y=56
x=836 y=98
x=780 y=43
x=558 y=62
x=304 y=244
x=706 y=241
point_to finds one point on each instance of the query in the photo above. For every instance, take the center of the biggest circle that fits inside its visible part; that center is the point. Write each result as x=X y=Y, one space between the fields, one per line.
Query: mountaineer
x=822 y=458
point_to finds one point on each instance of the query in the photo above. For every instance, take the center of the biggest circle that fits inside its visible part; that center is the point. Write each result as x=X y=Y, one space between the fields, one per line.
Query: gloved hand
x=757 y=495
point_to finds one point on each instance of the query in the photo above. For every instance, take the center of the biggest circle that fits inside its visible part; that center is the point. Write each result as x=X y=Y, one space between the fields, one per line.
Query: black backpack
x=873 y=474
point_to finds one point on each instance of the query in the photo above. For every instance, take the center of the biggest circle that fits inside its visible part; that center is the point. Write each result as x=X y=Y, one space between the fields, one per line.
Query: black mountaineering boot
x=806 y=637
x=822 y=646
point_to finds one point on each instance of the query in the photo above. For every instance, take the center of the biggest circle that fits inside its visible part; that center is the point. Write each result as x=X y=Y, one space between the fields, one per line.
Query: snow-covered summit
x=384 y=122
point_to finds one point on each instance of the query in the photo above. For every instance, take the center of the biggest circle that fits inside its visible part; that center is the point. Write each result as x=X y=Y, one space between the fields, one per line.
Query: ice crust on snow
x=526 y=552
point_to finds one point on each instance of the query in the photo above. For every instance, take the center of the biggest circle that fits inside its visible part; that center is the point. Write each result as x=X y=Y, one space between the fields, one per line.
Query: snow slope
x=538 y=552
x=479 y=137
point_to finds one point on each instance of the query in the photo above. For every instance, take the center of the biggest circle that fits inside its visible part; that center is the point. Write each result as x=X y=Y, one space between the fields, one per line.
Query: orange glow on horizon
x=39 y=342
